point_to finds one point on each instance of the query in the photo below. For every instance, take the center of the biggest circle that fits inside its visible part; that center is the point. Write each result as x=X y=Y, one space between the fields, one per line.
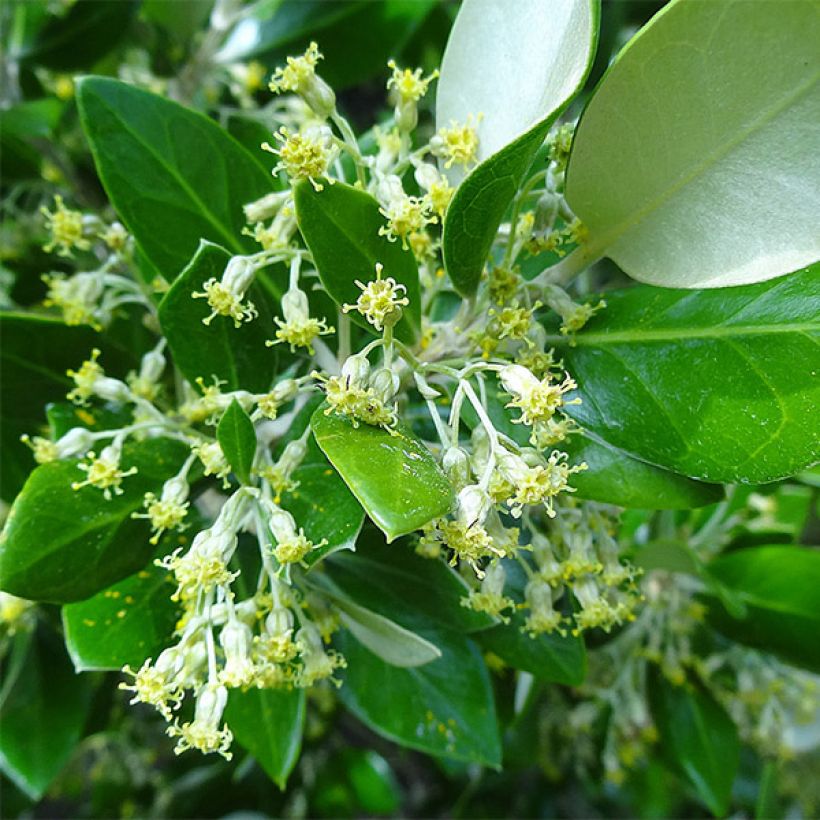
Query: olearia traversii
x=494 y=393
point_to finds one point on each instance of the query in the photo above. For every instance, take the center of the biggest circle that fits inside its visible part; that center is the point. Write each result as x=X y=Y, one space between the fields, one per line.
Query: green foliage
x=777 y=587
x=61 y=544
x=237 y=438
x=714 y=412
x=173 y=175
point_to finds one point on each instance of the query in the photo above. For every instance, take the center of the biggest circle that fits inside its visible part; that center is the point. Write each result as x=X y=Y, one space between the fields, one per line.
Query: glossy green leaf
x=124 y=624
x=697 y=738
x=394 y=477
x=64 y=545
x=22 y=128
x=356 y=37
x=518 y=66
x=174 y=176
x=666 y=165
x=778 y=587
x=42 y=716
x=236 y=355
x=718 y=385
x=393 y=580
x=63 y=416
x=443 y=708
x=385 y=638
x=35 y=353
x=76 y=40
x=615 y=477
x=269 y=724
x=355 y=783
x=237 y=438
x=341 y=228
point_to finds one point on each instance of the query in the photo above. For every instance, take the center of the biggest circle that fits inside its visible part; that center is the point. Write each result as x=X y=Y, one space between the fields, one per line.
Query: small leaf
x=392 y=643
x=697 y=738
x=737 y=395
x=778 y=587
x=174 y=176
x=35 y=353
x=444 y=708
x=237 y=438
x=125 y=624
x=394 y=477
x=665 y=166
x=517 y=66
x=236 y=355
x=43 y=714
x=269 y=724
x=341 y=228
x=64 y=545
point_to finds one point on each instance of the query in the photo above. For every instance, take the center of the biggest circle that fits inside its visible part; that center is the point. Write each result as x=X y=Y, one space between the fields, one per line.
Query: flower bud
x=385 y=384
x=75 y=442
x=356 y=370
x=473 y=505
x=456 y=464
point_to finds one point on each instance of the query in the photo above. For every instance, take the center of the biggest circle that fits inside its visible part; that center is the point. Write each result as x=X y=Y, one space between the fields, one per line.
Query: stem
x=569 y=267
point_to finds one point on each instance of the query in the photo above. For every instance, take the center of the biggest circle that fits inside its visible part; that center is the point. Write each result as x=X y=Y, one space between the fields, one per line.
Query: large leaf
x=42 y=715
x=236 y=355
x=237 y=438
x=174 y=176
x=357 y=37
x=64 y=545
x=341 y=227
x=718 y=385
x=393 y=580
x=697 y=738
x=124 y=624
x=269 y=724
x=666 y=166
x=394 y=477
x=778 y=586
x=517 y=65
x=35 y=352
x=443 y=708
x=21 y=128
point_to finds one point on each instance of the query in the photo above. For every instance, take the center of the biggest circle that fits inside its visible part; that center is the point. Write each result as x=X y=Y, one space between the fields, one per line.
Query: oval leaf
x=697 y=738
x=443 y=708
x=778 y=586
x=174 y=176
x=517 y=66
x=269 y=724
x=237 y=438
x=340 y=226
x=394 y=477
x=719 y=385
x=235 y=355
x=64 y=545
x=124 y=624
x=666 y=165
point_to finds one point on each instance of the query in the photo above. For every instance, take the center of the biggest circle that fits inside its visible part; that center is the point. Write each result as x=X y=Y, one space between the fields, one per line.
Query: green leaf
x=518 y=65
x=355 y=783
x=443 y=708
x=236 y=355
x=76 y=40
x=385 y=638
x=394 y=477
x=63 y=416
x=269 y=724
x=735 y=399
x=697 y=738
x=340 y=226
x=42 y=716
x=778 y=586
x=237 y=438
x=357 y=38
x=666 y=165
x=35 y=353
x=398 y=583
x=22 y=127
x=64 y=545
x=174 y=176
x=615 y=477
x=124 y=624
